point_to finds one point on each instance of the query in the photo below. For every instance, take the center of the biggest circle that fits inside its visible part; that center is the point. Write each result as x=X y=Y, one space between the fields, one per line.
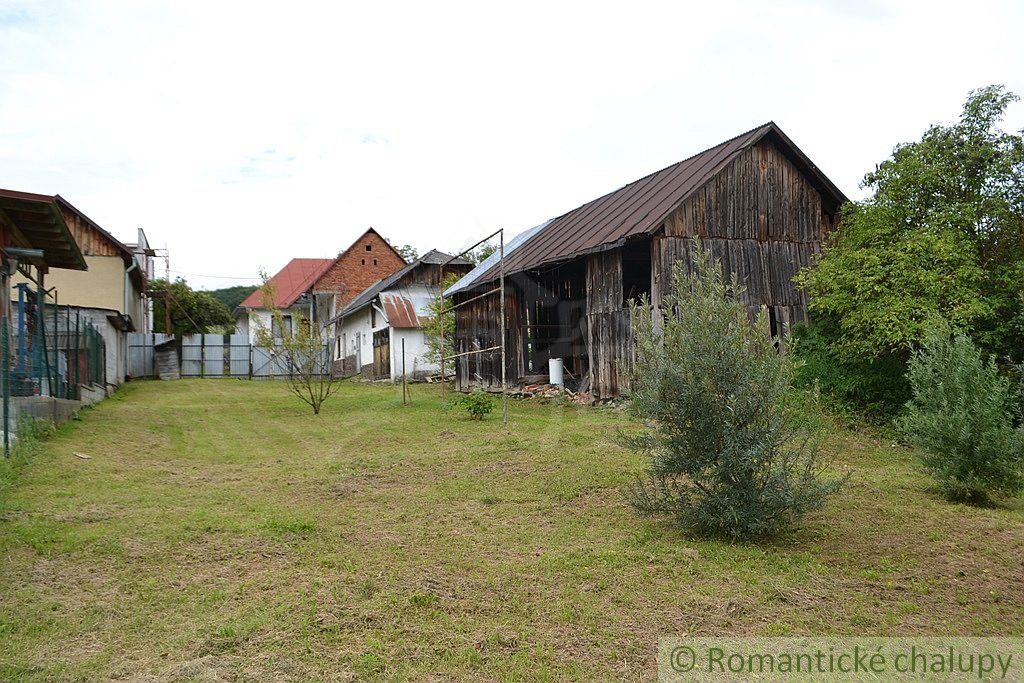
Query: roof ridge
x=769 y=125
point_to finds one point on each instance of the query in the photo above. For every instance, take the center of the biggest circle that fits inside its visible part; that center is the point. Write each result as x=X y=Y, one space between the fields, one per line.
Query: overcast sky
x=242 y=135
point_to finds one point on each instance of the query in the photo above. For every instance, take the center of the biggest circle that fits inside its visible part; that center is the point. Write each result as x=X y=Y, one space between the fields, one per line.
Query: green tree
x=232 y=296
x=961 y=416
x=941 y=235
x=728 y=455
x=406 y=251
x=439 y=317
x=301 y=350
x=192 y=312
x=482 y=252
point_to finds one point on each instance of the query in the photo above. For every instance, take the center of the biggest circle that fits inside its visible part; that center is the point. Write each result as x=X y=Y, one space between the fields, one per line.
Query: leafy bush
x=940 y=235
x=961 y=416
x=873 y=387
x=477 y=403
x=728 y=456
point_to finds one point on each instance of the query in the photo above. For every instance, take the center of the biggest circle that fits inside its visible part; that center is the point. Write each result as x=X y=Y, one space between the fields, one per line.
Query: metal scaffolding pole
x=502 y=314
x=504 y=383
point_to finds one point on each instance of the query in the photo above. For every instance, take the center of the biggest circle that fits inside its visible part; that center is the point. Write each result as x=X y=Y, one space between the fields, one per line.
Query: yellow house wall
x=102 y=286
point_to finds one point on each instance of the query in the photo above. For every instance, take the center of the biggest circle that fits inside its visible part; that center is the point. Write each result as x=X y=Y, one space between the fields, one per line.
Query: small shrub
x=477 y=403
x=961 y=417
x=728 y=455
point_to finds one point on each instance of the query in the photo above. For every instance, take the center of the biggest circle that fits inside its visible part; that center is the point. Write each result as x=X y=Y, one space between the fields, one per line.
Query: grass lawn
x=221 y=530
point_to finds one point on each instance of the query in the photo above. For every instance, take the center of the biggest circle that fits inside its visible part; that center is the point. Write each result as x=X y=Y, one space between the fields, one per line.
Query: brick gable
x=369 y=259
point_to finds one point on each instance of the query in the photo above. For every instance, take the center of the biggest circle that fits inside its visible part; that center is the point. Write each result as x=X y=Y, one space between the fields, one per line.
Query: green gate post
x=4 y=343
x=78 y=350
x=67 y=355
x=40 y=317
x=56 y=348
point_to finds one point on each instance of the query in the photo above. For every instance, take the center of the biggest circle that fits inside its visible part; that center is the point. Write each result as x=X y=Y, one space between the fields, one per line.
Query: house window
x=374 y=261
x=275 y=328
x=337 y=348
x=373 y=317
x=364 y=262
x=369 y=247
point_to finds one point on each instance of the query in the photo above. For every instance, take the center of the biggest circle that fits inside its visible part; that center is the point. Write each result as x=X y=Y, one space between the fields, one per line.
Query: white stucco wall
x=415 y=349
x=355 y=334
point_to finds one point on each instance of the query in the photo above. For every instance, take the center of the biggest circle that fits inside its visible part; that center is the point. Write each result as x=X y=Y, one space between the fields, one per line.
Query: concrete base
x=54 y=410
x=91 y=394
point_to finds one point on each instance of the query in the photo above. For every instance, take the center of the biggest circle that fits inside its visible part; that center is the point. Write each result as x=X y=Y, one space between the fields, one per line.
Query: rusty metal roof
x=641 y=206
x=399 y=310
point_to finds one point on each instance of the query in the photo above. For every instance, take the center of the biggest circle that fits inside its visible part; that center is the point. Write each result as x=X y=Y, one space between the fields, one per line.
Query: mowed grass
x=220 y=530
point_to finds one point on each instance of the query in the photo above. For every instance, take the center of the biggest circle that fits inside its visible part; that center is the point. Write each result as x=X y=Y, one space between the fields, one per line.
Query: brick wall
x=367 y=261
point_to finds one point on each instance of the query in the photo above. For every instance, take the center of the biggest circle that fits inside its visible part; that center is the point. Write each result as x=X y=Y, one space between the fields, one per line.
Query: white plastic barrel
x=555 y=372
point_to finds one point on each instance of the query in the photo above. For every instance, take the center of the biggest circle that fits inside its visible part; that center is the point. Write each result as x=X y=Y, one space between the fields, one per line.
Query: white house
x=369 y=332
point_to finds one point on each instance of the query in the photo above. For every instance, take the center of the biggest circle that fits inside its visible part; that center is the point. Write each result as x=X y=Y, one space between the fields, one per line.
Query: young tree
x=302 y=349
x=192 y=312
x=961 y=416
x=440 y=317
x=728 y=456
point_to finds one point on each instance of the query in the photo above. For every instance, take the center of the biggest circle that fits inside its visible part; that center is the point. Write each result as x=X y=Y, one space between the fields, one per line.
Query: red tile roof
x=292 y=280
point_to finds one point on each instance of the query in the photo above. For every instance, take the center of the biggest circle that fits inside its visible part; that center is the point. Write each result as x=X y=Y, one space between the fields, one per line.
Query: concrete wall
x=116 y=342
x=248 y=321
x=355 y=335
x=415 y=350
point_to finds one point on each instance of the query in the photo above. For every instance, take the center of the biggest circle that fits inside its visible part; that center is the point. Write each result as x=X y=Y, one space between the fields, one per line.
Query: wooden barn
x=756 y=201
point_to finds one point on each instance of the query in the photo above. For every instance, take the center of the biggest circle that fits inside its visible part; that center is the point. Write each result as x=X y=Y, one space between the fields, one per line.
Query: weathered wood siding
x=478 y=326
x=91 y=241
x=762 y=219
x=609 y=337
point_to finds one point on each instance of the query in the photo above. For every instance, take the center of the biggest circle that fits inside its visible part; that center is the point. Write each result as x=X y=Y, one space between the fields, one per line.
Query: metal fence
x=46 y=350
x=213 y=356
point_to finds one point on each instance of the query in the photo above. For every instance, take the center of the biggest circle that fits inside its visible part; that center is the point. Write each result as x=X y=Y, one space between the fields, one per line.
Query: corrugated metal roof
x=637 y=208
x=399 y=310
x=432 y=257
x=470 y=278
x=290 y=282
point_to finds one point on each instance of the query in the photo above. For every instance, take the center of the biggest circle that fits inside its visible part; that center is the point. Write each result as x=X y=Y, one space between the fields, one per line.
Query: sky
x=241 y=135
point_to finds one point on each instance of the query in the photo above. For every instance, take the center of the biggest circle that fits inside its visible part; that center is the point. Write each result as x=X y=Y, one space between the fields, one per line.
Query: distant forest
x=232 y=296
